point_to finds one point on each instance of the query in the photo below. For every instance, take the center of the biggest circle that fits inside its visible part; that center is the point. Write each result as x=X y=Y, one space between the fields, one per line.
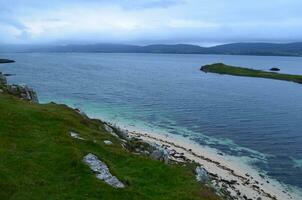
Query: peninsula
x=221 y=68
x=6 y=61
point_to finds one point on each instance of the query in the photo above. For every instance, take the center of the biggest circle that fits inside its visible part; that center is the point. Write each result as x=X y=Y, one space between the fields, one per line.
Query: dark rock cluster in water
x=6 y=61
x=275 y=69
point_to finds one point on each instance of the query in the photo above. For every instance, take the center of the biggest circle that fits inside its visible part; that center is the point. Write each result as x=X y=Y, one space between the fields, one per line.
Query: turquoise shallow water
x=258 y=118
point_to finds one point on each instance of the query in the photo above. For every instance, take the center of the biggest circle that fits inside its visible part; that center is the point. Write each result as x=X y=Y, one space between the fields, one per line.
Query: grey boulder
x=160 y=154
x=107 y=142
x=110 y=130
x=201 y=174
x=102 y=171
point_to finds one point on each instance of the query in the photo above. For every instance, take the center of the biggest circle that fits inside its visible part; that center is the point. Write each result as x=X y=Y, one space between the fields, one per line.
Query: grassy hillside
x=221 y=68
x=39 y=160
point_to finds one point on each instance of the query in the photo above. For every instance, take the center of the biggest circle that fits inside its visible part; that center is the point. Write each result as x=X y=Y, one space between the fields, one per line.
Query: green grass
x=39 y=160
x=221 y=68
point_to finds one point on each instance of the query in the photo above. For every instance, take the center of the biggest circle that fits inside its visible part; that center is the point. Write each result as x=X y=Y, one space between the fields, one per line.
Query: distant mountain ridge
x=265 y=49
x=288 y=49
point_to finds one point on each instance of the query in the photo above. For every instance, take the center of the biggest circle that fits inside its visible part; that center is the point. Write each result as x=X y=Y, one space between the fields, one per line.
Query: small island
x=6 y=61
x=221 y=68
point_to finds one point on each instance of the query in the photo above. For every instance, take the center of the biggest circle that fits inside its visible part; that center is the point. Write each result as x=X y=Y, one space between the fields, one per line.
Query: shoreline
x=230 y=173
x=239 y=179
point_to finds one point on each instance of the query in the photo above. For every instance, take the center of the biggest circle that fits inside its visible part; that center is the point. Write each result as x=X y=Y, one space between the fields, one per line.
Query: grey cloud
x=145 y=21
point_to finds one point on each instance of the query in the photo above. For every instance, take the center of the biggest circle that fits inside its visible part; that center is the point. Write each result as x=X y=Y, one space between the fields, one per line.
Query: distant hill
x=289 y=49
x=265 y=49
x=177 y=49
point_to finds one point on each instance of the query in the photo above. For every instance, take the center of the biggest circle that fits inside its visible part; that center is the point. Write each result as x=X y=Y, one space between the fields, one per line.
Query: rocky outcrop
x=3 y=80
x=160 y=154
x=24 y=92
x=21 y=91
x=110 y=130
x=102 y=171
x=138 y=146
x=201 y=174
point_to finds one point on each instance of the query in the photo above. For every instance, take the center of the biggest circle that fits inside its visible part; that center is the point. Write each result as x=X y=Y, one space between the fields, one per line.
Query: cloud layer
x=150 y=21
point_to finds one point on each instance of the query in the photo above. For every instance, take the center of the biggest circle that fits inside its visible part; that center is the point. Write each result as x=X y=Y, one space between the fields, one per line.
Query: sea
x=257 y=120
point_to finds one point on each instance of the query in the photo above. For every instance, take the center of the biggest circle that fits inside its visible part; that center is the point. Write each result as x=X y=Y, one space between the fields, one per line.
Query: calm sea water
x=258 y=119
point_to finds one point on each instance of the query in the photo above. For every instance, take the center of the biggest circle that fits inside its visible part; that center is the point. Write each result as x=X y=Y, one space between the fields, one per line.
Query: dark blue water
x=258 y=118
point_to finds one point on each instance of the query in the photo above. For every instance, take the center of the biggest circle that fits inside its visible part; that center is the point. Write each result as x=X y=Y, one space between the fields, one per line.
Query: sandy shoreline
x=240 y=180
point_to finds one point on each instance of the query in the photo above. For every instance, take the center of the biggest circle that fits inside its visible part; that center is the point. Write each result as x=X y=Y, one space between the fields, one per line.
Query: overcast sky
x=150 y=21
